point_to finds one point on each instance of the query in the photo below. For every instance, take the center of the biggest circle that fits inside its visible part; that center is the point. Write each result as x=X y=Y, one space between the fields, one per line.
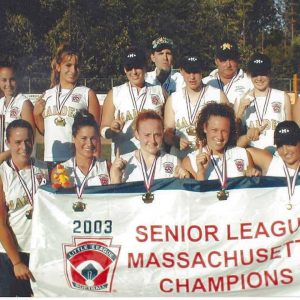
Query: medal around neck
x=28 y=214
x=148 y=197
x=59 y=121
x=223 y=195
x=79 y=206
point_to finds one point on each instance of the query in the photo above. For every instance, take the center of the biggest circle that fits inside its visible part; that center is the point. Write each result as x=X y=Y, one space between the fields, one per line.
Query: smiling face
x=8 y=84
x=290 y=154
x=150 y=135
x=86 y=141
x=68 y=70
x=261 y=82
x=163 y=59
x=136 y=76
x=226 y=68
x=217 y=131
x=20 y=143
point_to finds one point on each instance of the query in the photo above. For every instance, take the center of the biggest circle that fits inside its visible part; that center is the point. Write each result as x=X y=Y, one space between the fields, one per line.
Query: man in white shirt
x=228 y=76
x=162 y=57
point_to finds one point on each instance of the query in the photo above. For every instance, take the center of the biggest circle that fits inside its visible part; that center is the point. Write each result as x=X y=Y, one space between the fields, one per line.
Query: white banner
x=185 y=243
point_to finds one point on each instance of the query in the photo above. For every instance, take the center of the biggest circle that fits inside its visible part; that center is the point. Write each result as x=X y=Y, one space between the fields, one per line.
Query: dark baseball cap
x=134 y=58
x=227 y=49
x=191 y=64
x=287 y=133
x=162 y=43
x=259 y=64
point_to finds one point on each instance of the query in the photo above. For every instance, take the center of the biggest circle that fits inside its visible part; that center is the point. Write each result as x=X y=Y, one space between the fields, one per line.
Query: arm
x=296 y=111
x=261 y=158
x=94 y=109
x=20 y=269
x=224 y=99
x=38 y=110
x=169 y=122
x=287 y=107
x=27 y=113
x=4 y=156
x=186 y=164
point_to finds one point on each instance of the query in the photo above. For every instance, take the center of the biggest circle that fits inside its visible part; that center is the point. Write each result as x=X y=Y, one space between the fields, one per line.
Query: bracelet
x=17 y=263
x=103 y=131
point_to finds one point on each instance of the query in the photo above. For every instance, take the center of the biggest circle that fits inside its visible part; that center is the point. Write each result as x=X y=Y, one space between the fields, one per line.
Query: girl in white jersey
x=149 y=162
x=261 y=109
x=84 y=168
x=54 y=112
x=13 y=105
x=183 y=107
x=20 y=177
x=124 y=102
x=218 y=157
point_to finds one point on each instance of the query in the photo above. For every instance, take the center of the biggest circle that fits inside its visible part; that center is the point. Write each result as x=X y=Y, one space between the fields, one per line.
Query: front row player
x=20 y=177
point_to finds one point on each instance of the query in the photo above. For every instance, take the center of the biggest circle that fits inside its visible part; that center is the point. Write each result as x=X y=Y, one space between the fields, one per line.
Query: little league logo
x=90 y=263
x=14 y=112
x=276 y=107
x=169 y=167
x=155 y=99
x=76 y=98
x=239 y=164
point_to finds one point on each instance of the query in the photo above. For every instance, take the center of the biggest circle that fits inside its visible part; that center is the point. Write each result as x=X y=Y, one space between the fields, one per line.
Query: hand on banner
x=252 y=172
x=254 y=133
x=117 y=124
x=117 y=168
x=22 y=272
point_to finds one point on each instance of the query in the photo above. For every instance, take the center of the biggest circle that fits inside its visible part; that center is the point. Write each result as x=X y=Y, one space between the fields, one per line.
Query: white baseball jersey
x=149 y=97
x=8 y=114
x=236 y=163
x=235 y=89
x=181 y=116
x=97 y=176
x=58 y=139
x=165 y=167
x=171 y=84
x=273 y=115
x=17 y=201
x=276 y=168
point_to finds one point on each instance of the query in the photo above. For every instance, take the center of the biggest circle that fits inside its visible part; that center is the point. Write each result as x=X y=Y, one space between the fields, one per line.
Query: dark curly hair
x=218 y=110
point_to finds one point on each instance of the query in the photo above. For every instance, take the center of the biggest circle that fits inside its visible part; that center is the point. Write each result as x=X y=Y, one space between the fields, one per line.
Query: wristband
x=104 y=132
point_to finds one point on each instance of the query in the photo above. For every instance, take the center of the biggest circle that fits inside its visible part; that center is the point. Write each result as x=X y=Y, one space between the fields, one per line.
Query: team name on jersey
x=271 y=124
x=18 y=203
x=66 y=111
x=130 y=115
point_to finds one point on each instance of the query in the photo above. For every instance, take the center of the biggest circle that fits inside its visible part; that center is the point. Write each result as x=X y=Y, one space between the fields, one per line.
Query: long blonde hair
x=62 y=50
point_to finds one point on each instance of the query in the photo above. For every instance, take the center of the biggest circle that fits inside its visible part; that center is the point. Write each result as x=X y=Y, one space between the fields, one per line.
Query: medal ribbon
x=192 y=114
x=23 y=183
x=134 y=100
x=260 y=117
x=148 y=179
x=221 y=173
x=221 y=85
x=80 y=187
x=167 y=83
x=61 y=104
x=291 y=183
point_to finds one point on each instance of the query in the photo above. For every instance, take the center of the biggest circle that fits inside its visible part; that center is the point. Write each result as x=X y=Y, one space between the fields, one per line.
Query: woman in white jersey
x=13 y=105
x=149 y=162
x=84 y=168
x=217 y=156
x=124 y=102
x=261 y=109
x=184 y=105
x=54 y=112
x=20 y=177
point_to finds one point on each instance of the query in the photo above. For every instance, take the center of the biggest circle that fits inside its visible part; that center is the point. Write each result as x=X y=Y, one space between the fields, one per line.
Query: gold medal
x=148 y=197
x=191 y=130
x=223 y=195
x=59 y=121
x=289 y=206
x=28 y=214
x=79 y=206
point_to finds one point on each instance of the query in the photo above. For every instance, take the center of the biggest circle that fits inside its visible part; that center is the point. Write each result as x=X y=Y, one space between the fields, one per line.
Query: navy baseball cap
x=191 y=64
x=287 y=133
x=162 y=43
x=134 y=58
x=227 y=49
x=259 y=64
